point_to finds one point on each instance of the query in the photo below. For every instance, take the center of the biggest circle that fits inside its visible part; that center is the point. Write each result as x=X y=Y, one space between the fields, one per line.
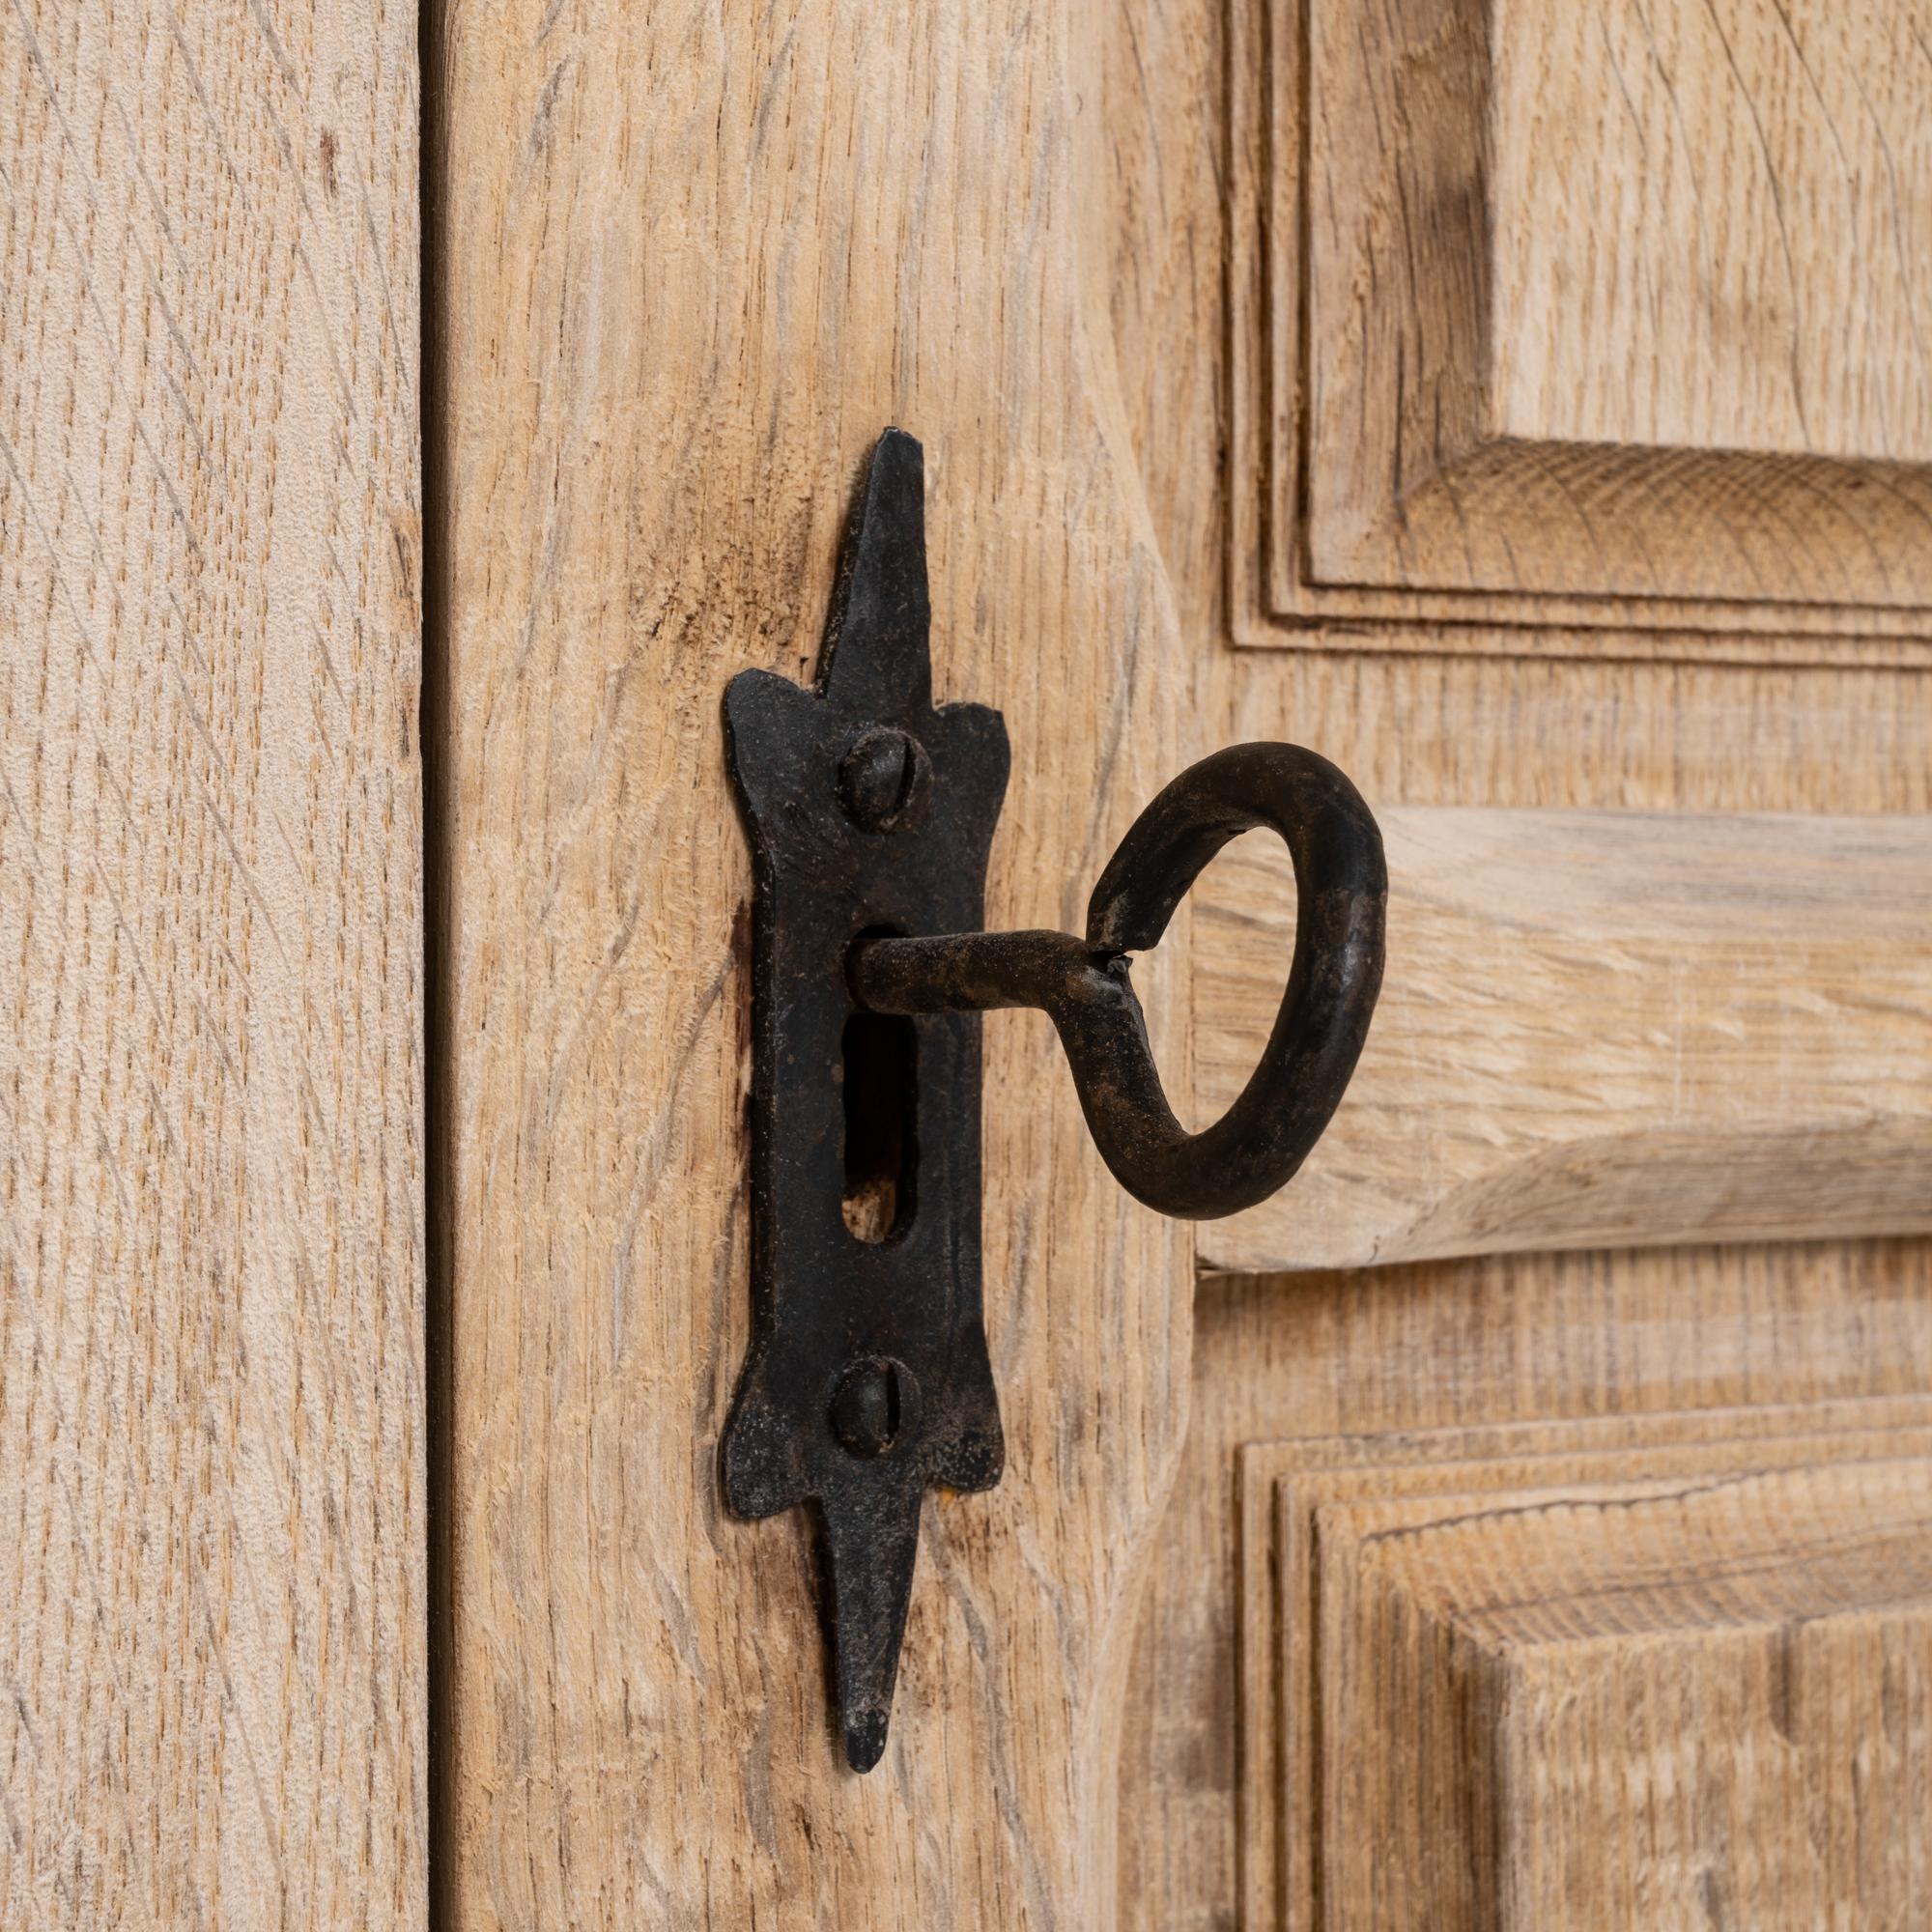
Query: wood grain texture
x=1603 y=1346
x=1600 y=1030
x=691 y=263
x=1702 y=229
x=1610 y=305
x=1704 y=1697
x=211 y=1496
x=1542 y=321
x=1431 y=714
x=1294 y=1683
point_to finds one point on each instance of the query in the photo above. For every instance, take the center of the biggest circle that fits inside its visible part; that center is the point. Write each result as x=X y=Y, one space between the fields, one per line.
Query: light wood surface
x=688 y=266
x=1702 y=239
x=1588 y=1333
x=1504 y=718
x=1550 y=321
x=1701 y=1697
x=1475 y=722
x=1549 y=348
x=1294 y=1686
x=211 y=1493
x=1599 y=1029
x=1412 y=1376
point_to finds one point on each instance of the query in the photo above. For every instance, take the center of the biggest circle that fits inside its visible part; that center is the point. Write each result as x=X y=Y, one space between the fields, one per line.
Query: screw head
x=883 y=777
x=875 y=1405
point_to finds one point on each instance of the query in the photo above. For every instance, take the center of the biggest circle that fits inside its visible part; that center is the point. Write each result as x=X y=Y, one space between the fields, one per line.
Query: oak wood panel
x=211 y=1494
x=1600 y=1030
x=1287 y=1487
x=1429 y=715
x=1703 y=224
x=1604 y=1343
x=1608 y=303
x=691 y=263
x=1533 y=305
x=1596 y=737
x=1700 y=1698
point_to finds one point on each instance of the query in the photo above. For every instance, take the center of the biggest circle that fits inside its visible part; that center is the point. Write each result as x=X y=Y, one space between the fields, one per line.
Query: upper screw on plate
x=883 y=779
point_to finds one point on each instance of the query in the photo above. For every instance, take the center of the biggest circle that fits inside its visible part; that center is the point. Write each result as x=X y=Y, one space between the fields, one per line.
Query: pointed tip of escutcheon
x=866 y=1740
x=876 y=657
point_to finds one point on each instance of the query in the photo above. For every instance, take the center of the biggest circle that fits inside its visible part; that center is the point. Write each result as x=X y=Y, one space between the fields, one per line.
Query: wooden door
x=212 y=1604
x=1518 y=1522
x=213 y=1624
x=1521 y=1521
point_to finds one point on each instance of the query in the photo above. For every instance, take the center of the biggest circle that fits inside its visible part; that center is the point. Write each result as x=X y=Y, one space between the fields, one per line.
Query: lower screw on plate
x=875 y=1406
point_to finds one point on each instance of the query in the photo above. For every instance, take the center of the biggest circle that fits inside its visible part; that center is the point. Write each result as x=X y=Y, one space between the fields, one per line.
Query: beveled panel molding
x=1549 y=336
x=1573 y=1676
x=1599 y=1029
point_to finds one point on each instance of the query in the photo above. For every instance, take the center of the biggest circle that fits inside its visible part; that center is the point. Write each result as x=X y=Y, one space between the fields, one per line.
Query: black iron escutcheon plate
x=826 y=1303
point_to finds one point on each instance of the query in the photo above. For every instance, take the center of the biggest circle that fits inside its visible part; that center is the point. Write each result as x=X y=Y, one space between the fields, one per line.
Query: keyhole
x=881 y=1089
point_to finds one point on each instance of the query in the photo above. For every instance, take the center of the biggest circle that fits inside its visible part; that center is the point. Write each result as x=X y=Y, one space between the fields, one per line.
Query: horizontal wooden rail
x=1599 y=1029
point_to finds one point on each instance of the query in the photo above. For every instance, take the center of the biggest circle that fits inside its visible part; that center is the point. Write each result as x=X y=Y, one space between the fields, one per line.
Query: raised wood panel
x=1542 y=319
x=1428 y=713
x=212 y=1437
x=1596 y=1030
x=1416 y=1365
x=1626 y=1707
x=1703 y=223
x=1677 y=1500
x=691 y=263
x=1611 y=306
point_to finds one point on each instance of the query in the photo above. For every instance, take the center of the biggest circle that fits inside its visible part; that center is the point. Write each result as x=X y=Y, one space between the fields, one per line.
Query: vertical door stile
x=691 y=261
